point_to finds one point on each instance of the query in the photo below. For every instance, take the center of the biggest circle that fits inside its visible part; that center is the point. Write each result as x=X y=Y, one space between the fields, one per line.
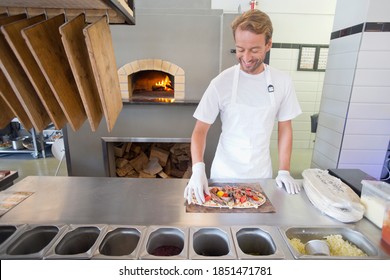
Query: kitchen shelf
x=35 y=152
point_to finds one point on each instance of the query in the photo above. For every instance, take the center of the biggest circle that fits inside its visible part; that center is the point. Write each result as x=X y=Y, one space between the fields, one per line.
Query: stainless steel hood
x=118 y=11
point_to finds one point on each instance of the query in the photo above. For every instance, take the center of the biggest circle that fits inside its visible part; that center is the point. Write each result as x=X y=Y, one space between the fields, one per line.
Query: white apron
x=243 y=147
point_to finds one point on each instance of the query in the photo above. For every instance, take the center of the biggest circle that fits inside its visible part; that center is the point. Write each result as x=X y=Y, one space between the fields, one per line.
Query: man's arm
x=198 y=141
x=284 y=144
x=198 y=184
x=284 y=179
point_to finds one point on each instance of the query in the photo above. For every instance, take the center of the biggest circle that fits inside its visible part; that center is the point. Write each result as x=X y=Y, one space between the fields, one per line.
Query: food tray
x=306 y=234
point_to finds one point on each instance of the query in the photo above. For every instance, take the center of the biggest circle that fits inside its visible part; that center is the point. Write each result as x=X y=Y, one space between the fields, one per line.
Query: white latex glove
x=284 y=179
x=198 y=183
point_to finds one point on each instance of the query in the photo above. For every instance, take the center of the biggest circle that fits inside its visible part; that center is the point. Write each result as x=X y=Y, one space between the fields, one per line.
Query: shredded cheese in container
x=340 y=247
x=298 y=245
x=337 y=245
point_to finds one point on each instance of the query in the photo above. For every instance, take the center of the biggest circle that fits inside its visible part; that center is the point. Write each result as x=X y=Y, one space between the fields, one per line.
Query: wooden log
x=121 y=162
x=139 y=162
x=153 y=167
x=163 y=175
x=128 y=147
x=143 y=174
x=183 y=162
x=160 y=154
x=180 y=148
x=168 y=167
x=119 y=150
x=124 y=170
x=136 y=149
x=176 y=173
x=132 y=174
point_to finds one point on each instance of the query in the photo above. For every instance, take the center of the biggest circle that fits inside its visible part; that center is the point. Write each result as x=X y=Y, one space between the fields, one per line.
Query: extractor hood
x=118 y=11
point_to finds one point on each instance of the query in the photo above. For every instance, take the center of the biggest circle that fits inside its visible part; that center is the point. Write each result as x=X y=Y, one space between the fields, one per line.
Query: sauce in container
x=386 y=225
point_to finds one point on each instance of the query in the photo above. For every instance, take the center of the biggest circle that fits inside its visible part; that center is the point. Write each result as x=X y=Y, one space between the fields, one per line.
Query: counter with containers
x=127 y=218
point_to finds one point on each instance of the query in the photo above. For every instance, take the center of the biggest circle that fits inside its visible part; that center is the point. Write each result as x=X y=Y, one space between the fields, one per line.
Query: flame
x=166 y=84
x=164 y=100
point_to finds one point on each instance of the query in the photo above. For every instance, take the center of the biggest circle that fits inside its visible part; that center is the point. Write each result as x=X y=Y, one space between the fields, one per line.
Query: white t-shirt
x=251 y=91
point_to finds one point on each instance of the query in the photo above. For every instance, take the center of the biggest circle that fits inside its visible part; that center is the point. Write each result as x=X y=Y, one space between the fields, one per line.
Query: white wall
x=295 y=21
x=354 y=124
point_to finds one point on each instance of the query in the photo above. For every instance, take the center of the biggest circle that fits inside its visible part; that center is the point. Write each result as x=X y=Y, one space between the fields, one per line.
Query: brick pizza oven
x=152 y=80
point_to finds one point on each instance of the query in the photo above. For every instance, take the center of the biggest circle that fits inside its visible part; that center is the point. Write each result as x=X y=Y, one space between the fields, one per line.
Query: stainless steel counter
x=104 y=200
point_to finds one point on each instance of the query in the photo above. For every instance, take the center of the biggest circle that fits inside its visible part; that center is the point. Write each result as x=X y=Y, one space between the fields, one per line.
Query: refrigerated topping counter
x=122 y=218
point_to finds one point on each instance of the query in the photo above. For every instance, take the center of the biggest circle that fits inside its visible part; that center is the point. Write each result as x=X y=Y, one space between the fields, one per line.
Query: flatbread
x=232 y=197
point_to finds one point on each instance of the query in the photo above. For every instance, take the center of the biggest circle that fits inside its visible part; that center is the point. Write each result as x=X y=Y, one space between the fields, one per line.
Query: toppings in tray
x=229 y=196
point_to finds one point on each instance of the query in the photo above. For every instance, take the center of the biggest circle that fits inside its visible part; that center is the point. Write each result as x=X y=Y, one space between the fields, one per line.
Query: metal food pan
x=257 y=242
x=33 y=241
x=306 y=234
x=211 y=243
x=7 y=233
x=120 y=242
x=165 y=242
x=77 y=242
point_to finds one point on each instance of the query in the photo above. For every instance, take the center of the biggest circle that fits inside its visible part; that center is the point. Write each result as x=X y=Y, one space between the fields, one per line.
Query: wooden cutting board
x=102 y=57
x=6 y=115
x=76 y=49
x=12 y=33
x=9 y=97
x=20 y=82
x=44 y=42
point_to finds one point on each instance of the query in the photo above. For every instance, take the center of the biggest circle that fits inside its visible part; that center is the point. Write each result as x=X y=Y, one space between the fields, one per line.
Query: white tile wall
x=332 y=122
x=350 y=13
x=337 y=89
x=364 y=111
x=308 y=86
x=344 y=45
x=356 y=92
x=369 y=156
x=325 y=155
x=339 y=76
x=364 y=142
x=329 y=136
x=334 y=107
x=369 y=94
x=374 y=60
x=338 y=92
x=344 y=60
x=369 y=127
x=379 y=11
x=376 y=41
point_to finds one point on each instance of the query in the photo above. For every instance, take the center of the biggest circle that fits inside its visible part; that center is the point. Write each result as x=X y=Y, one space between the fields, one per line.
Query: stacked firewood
x=153 y=160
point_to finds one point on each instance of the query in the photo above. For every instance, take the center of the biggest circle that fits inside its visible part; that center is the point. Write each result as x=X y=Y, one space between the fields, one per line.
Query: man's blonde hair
x=254 y=21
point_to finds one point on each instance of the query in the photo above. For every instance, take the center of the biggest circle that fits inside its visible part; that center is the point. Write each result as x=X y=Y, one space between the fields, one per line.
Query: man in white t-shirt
x=249 y=97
